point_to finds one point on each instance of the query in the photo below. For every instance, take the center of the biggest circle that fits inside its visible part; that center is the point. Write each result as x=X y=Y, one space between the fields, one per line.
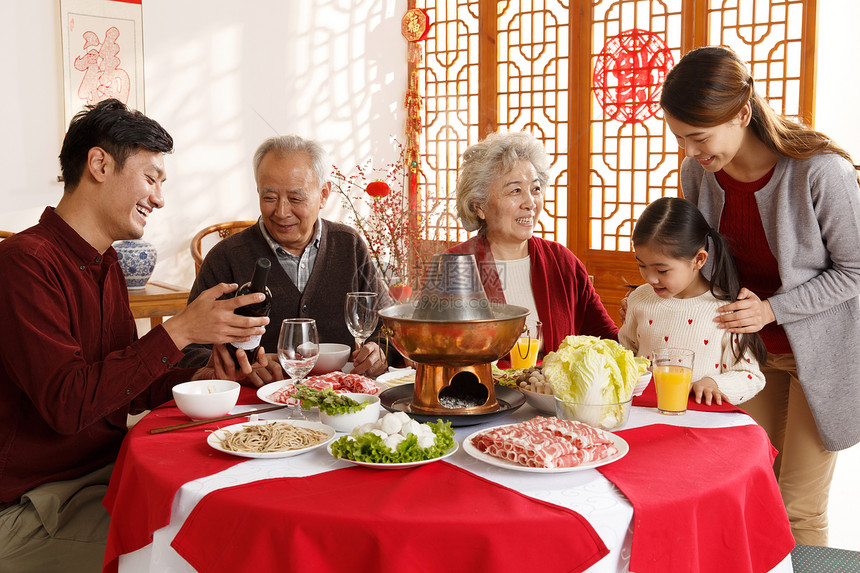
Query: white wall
x=222 y=76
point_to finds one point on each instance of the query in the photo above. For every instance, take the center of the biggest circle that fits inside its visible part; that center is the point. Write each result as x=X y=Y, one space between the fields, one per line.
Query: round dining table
x=694 y=492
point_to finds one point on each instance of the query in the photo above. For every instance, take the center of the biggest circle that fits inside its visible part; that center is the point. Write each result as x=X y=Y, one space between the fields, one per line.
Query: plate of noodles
x=271 y=438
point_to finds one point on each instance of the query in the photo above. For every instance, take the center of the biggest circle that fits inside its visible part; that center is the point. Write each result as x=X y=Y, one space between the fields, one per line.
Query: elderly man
x=314 y=262
x=71 y=365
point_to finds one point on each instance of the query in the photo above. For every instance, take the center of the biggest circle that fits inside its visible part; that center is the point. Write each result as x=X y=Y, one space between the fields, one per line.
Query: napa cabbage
x=591 y=370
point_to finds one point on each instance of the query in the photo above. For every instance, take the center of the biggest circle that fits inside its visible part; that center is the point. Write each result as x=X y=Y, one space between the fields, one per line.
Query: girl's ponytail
x=677 y=227
x=725 y=284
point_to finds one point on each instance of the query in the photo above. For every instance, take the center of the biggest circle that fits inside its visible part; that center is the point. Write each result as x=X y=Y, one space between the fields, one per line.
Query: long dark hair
x=710 y=86
x=677 y=228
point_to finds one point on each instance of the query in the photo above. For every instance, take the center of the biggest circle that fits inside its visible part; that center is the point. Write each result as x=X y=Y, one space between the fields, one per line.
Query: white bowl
x=602 y=416
x=332 y=357
x=542 y=402
x=346 y=422
x=201 y=399
x=643 y=382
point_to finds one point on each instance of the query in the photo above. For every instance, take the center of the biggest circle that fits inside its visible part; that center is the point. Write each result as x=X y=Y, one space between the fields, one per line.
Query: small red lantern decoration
x=378 y=189
x=400 y=291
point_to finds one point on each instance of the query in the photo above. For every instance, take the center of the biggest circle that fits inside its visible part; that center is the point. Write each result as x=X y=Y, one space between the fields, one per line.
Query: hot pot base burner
x=399 y=399
x=463 y=389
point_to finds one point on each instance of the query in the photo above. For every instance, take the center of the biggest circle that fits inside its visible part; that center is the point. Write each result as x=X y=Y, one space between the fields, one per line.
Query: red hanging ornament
x=415 y=25
x=400 y=291
x=378 y=189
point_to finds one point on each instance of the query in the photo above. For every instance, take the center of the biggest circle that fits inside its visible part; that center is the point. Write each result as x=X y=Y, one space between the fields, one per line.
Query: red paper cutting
x=629 y=73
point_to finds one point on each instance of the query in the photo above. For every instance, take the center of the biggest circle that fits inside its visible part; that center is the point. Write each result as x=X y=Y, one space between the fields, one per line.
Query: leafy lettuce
x=368 y=447
x=591 y=370
x=327 y=400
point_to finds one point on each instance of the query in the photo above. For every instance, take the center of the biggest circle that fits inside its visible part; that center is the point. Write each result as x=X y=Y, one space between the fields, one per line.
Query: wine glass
x=360 y=314
x=298 y=349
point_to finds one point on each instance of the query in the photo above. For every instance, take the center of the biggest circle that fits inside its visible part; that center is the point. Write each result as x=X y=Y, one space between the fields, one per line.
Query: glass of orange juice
x=525 y=352
x=673 y=375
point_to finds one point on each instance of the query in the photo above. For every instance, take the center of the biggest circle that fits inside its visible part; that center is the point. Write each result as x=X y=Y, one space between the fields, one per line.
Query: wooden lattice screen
x=583 y=77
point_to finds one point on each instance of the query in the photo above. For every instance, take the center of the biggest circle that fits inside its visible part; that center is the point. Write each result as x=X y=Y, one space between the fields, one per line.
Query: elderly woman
x=500 y=195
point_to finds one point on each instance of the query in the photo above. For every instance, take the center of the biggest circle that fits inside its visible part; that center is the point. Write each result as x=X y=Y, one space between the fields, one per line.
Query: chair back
x=223 y=231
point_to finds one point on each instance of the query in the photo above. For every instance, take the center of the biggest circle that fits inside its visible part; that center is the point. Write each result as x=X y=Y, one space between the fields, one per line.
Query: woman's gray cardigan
x=810 y=209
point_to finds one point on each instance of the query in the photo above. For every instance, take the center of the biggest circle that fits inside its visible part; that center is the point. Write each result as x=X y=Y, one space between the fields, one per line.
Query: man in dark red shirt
x=71 y=365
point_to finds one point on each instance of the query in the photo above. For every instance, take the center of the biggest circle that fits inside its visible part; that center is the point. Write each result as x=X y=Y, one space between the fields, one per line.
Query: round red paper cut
x=629 y=73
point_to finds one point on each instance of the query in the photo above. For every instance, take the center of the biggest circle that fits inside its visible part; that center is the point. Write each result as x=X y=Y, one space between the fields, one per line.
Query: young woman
x=787 y=200
x=676 y=306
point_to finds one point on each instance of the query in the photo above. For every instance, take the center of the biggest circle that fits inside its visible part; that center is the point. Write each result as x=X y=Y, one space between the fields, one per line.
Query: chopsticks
x=210 y=420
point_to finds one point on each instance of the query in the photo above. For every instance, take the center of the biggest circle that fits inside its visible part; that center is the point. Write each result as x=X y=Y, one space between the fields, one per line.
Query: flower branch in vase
x=396 y=235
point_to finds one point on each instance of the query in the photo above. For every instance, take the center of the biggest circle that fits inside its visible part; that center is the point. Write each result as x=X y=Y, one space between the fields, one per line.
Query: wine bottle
x=256 y=284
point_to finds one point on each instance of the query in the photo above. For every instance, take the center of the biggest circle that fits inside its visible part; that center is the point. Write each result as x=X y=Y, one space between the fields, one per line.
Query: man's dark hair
x=120 y=131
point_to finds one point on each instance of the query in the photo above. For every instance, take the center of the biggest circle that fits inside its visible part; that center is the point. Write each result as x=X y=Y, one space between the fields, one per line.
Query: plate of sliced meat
x=279 y=392
x=546 y=445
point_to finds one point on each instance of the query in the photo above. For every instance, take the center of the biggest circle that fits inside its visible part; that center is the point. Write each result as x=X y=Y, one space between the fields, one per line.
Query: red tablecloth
x=150 y=469
x=387 y=521
x=717 y=513
x=648 y=399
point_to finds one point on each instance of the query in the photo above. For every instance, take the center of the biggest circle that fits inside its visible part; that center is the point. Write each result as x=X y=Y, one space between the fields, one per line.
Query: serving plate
x=214 y=439
x=263 y=392
x=397 y=377
x=399 y=399
x=619 y=442
x=541 y=402
x=398 y=466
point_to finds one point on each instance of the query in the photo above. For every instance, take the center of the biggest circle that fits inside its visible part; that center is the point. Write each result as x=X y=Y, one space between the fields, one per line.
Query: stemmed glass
x=360 y=314
x=298 y=350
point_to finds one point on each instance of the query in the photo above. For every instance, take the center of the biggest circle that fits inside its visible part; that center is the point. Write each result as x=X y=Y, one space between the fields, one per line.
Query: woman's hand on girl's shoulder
x=747 y=314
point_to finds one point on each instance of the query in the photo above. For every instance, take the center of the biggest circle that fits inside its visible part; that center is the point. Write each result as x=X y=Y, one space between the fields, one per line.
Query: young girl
x=676 y=308
x=786 y=198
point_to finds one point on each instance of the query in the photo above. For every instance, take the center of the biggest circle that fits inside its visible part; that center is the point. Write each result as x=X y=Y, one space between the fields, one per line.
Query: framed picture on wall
x=102 y=53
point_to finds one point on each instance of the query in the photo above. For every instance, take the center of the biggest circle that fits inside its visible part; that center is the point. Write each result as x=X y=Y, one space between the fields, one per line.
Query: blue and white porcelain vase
x=137 y=260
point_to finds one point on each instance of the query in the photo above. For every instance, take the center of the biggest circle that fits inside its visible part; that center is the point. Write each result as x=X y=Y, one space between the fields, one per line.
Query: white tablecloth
x=587 y=492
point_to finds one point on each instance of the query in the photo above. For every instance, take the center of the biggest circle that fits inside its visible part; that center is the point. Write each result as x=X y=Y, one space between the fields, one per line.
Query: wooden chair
x=5 y=234
x=224 y=230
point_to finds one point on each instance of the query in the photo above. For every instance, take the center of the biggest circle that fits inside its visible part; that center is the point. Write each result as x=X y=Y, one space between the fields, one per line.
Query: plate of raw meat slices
x=546 y=445
x=279 y=392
